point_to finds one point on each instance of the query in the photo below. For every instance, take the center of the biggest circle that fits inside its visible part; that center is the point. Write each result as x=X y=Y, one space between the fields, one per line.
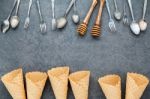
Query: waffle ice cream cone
x=35 y=82
x=135 y=85
x=111 y=86
x=80 y=83
x=59 y=81
x=14 y=83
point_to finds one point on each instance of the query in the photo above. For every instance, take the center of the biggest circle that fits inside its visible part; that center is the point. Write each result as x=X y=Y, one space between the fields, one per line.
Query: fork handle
x=30 y=4
x=108 y=9
x=39 y=10
x=86 y=20
x=98 y=19
x=53 y=8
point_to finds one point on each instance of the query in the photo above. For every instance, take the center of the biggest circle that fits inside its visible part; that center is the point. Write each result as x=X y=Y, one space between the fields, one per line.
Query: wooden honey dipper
x=82 y=28
x=96 y=30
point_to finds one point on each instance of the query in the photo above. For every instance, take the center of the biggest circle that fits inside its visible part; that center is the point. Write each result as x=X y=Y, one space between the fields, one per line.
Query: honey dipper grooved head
x=96 y=31
x=82 y=28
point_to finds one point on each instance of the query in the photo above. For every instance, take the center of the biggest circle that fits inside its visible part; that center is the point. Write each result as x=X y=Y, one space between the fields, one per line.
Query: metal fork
x=125 y=17
x=111 y=21
x=42 y=22
x=27 y=21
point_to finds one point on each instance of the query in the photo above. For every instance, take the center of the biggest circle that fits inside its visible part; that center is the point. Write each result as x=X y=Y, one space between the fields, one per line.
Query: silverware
x=117 y=13
x=6 y=24
x=134 y=26
x=54 y=23
x=75 y=16
x=14 y=21
x=111 y=21
x=42 y=22
x=61 y=22
x=27 y=20
x=143 y=23
x=125 y=17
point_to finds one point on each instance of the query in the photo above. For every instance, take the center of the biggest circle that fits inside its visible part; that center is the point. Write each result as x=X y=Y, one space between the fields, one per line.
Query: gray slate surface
x=118 y=53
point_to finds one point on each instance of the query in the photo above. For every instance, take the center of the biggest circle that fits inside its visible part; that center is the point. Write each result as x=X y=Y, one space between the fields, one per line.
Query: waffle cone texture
x=111 y=86
x=135 y=85
x=14 y=83
x=35 y=84
x=59 y=81
x=80 y=84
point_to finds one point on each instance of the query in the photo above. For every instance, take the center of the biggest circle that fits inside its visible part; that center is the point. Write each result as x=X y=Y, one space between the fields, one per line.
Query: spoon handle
x=53 y=8
x=131 y=10
x=69 y=7
x=12 y=9
x=108 y=9
x=39 y=10
x=98 y=19
x=144 y=8
x=17 y=8
x=30 y=4
x=115 y=2
x=86 y=20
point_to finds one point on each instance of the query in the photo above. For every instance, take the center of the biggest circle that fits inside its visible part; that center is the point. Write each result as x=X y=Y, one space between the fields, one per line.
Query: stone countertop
x=117 y=53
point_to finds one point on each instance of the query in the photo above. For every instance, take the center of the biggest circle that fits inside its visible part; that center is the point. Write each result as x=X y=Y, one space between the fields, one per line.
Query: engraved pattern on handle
x=86 y=20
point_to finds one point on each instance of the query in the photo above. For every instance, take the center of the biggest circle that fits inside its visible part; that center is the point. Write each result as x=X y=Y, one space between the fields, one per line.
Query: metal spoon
x=61 y=22
x=117 y=13
x=75 y=16
x=6 y=24
x=14 y=21
x=54 y=23
x=143 y=23
x=134 y=26
x=27 y=21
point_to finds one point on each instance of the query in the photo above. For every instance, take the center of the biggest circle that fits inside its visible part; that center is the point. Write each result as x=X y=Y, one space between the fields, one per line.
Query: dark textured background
x=118 y=53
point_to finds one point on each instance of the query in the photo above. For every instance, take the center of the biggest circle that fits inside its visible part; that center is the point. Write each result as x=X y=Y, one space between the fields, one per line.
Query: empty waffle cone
x=59 y=81
x=80 y=83
x=96 y=31
x=111 y=86
x=82 y=28
x=35 y=82
x=135 y=85
x=13 y=81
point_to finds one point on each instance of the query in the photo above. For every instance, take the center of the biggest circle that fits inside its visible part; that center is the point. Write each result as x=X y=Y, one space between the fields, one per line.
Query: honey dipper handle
x=86 y=20
x=98 y=19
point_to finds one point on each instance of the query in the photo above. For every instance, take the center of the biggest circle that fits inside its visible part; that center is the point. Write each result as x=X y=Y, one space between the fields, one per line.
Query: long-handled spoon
x=27 y=20
x=61 y=22
x=134 y=26
x=143 y=23
x=82 y=28
x=96 y=30
x=117 y=13
x=75 y=16
x=6 y=24
x=14 y=21
x=42 y=22
x=54 y=23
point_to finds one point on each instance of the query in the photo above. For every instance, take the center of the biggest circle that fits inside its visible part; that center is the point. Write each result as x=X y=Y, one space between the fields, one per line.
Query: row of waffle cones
x=59 y=76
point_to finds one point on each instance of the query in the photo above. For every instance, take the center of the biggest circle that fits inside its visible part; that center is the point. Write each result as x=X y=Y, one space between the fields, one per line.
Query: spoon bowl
x=75 y=18
x=5 y=26
x=117 y=15
x=143 y=25
x=61 y=22
x=135 y=28
x=14 y=21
